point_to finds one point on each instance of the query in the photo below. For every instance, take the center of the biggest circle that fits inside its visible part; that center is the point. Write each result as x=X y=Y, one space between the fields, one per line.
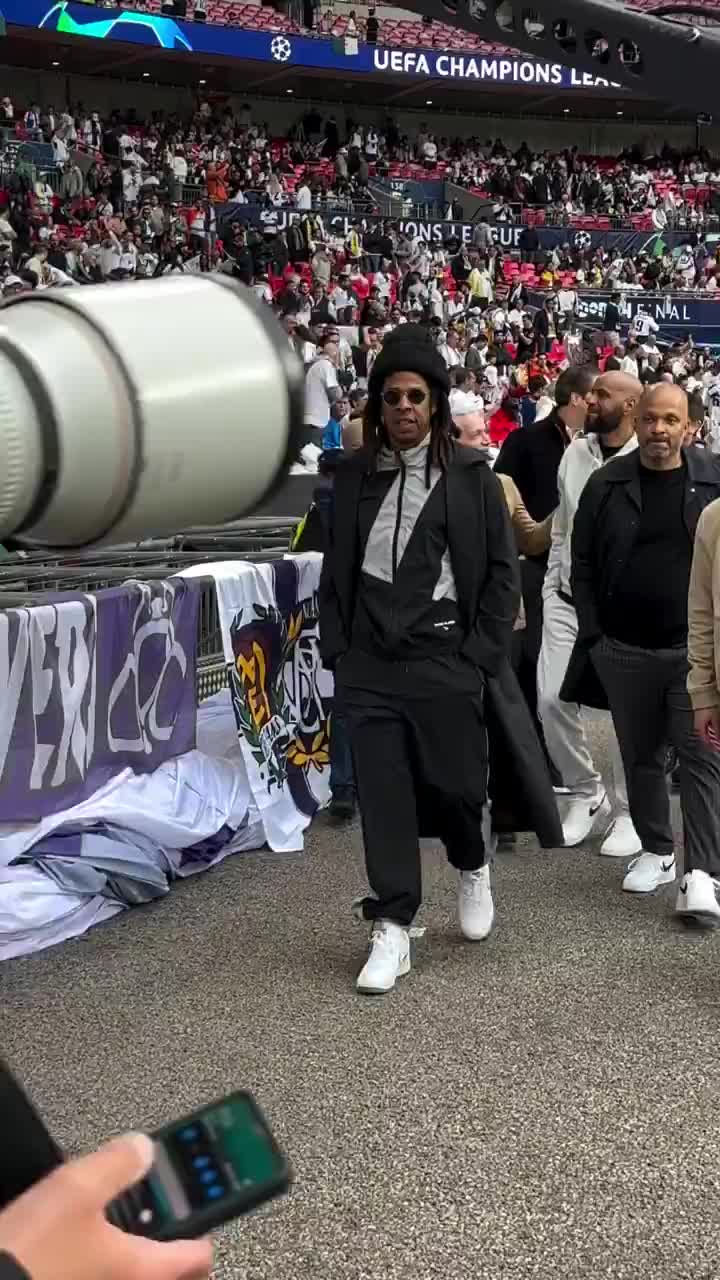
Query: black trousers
x=650 y=707
x=421 y=769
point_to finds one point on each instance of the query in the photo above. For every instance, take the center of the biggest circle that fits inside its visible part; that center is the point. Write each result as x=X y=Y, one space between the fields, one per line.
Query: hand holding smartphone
x=210 y=1167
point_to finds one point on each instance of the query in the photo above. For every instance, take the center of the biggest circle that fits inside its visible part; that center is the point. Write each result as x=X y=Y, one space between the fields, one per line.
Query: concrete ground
x=544 y=1104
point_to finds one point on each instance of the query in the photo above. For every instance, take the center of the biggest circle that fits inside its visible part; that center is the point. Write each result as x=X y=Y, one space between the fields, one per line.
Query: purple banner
x=90 y=684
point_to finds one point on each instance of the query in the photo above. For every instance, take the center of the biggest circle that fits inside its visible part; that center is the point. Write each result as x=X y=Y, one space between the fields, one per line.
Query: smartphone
x=209 y=1167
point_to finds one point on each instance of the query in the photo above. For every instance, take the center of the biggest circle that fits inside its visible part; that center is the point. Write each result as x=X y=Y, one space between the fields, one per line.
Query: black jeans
x=650 y=707
x=421 y=768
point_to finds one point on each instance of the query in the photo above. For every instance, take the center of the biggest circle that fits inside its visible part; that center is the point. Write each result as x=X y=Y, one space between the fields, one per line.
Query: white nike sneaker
x=648 y=872
x=584 y=815
x=389 y=958
x=697 y=898
x=622 y=840
x=475 y=904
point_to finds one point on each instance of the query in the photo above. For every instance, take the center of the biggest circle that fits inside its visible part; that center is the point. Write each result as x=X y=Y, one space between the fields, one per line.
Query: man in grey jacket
x=610 y=425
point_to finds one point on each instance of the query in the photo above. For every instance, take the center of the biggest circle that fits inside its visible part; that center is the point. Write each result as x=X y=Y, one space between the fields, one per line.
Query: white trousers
x=563 y=722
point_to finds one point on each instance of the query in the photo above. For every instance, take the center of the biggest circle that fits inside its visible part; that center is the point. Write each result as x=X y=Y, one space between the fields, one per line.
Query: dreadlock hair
x=442 y=432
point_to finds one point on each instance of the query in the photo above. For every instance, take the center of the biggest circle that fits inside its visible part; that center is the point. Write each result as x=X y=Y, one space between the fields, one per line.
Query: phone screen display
x=218 y=1161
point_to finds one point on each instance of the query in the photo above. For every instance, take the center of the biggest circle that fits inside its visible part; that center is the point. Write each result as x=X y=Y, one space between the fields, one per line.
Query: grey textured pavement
x=544 y=1104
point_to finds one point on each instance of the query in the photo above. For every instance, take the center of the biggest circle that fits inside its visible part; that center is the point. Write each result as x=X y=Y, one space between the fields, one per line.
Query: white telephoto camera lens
x=133 y=410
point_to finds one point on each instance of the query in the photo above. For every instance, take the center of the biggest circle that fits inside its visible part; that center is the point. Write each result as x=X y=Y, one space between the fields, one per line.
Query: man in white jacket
x=610 y=426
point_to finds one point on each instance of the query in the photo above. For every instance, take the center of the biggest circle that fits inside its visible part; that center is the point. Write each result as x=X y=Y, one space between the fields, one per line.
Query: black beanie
x=409 y=349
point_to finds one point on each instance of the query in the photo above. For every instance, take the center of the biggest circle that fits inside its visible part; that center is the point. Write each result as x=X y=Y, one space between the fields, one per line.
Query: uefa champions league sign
x=452 y=66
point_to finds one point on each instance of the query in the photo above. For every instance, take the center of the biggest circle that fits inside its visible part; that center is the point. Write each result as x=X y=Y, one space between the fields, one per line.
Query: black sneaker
x=343 y=803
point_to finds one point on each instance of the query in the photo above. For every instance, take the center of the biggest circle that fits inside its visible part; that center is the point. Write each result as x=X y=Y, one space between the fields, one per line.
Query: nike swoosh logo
x=599 y=805
x=668 y=866
x=683 y=888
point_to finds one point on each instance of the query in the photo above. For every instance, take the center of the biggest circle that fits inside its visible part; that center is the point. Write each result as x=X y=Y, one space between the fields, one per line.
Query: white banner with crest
x=281 y=694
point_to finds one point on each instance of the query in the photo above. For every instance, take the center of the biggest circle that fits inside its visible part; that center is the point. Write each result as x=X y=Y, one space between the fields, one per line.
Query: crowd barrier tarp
x=89 y=684
x=676 y=315
x=116 y=669
x=348 y=57
x=129 y=841
x=281 y=693
x=506 y=234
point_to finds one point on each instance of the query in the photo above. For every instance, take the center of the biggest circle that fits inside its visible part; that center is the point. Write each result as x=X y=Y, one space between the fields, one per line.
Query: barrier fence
x=31 y=579
x=165 y=708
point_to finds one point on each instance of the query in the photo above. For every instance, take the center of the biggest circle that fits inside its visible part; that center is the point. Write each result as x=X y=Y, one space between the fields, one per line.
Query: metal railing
x=33 y=578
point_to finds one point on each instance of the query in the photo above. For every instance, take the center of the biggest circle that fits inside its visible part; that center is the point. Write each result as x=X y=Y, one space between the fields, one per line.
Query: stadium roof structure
x=590 y=58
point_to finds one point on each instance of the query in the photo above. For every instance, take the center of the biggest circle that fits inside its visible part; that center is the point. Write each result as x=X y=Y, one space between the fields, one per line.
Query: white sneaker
x=389 y=958
x=622 y=840
x=648 y=872
x=475 y=904
x=584 y=814
x=697 y=898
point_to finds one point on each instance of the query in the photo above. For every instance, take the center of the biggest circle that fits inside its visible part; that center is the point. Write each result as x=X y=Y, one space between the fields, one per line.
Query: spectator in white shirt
x=628 y=363
x=8 y=235
x=303 y=197
x=92 y=132
x=567 y=301
x=381 y=282
x=179 y=167
x=430 y=152
x=643 y=325
x=131 y=180
x=53 y=277
x=124 y=258
x=67 y=129
x=262 y=289
x=60 y=150
x=147 y=262
x=449 y=350
x=44 y=196
x=321 y=390
x=37 y=262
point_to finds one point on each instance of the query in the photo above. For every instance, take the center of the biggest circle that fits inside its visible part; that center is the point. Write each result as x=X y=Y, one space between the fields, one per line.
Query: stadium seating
x=256 y=17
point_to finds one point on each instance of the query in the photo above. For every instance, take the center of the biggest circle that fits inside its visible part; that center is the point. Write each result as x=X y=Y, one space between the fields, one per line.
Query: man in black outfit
x=418 y=596
x=531 y=457
x=631 y=555
x=528 y=244
x=611 y=319
x=545 y=325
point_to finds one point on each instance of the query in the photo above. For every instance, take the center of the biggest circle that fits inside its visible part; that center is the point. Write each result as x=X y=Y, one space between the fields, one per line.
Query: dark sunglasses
x=393 y=396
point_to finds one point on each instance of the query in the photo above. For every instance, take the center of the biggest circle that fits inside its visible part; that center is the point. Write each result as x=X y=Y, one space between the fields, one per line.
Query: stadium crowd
x=325 y=162
x=121 y=213
x=503 y=358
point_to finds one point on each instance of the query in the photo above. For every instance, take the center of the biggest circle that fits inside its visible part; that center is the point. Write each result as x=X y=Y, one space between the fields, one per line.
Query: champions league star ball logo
x=582 y=240
x=164 y=31
x=280 y=48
